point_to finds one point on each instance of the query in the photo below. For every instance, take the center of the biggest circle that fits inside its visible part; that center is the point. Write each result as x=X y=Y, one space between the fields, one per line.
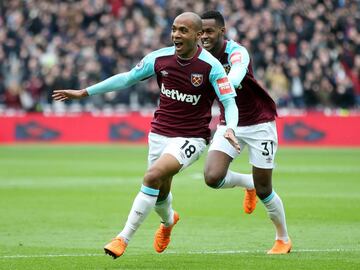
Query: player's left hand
x=230 y=136
x=62 y=95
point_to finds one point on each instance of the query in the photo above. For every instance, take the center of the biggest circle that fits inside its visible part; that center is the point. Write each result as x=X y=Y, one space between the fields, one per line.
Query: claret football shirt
x=187 y=90
x=254 y=103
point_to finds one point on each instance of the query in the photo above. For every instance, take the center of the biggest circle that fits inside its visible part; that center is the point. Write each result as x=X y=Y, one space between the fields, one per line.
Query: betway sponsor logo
x=177 y=95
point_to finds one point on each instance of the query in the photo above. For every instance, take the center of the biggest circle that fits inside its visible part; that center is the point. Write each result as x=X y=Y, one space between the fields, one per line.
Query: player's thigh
x=221 y=144
x=262 y=143
x=185 y=150
x=157 y=144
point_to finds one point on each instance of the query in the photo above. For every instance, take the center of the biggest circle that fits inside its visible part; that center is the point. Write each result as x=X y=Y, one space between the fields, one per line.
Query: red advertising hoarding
x=311 y=129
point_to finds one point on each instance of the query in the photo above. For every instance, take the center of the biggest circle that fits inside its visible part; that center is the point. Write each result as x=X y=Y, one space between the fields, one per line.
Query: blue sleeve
x=226 y=94
x=223 y=88
x=239 y=60
x=231 y=113
x=143 y=70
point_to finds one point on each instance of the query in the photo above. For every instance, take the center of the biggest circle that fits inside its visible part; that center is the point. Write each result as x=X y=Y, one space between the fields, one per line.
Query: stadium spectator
x=116 y=34
x=277 y=81
x=12 y=96
x=296 y=84
x=2 y=92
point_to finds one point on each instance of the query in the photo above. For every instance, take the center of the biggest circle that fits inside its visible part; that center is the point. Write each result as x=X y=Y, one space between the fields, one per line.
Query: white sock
x=276 y=212
x=233 y=179
x=165 y=211
x=143 y=204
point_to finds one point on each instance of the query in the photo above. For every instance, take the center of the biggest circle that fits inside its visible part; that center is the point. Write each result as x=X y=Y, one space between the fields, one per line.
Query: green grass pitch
x=59 y=205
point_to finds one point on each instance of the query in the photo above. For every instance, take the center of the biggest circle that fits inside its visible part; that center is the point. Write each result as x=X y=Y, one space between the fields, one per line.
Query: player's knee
x=263 y=182
x=263 y=191
x=153 y=177
x=213 y=178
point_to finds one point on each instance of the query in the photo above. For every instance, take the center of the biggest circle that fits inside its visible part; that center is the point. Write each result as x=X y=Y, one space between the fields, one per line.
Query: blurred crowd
x=306 y=53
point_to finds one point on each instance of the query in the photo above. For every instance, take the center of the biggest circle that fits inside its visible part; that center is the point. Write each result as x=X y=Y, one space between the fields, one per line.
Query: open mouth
x=178 y=45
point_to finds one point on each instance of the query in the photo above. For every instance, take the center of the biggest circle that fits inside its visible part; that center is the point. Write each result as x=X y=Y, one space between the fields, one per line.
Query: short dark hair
x=216 y=15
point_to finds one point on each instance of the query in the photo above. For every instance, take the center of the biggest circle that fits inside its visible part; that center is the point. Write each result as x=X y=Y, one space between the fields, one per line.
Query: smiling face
x=185 y=34
x=212 y=38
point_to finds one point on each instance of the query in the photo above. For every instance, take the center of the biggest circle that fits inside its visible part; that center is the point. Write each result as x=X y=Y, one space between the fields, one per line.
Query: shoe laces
x=120 y=241
x=250 y=194
x=165 y=231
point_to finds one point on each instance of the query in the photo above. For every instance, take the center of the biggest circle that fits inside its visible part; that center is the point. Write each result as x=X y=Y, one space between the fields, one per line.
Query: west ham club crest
x=227 y=68
x=196 y=79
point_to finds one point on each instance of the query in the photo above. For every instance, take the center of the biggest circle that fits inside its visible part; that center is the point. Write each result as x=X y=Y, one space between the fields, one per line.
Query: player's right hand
x=230 y=136
x=62 y=95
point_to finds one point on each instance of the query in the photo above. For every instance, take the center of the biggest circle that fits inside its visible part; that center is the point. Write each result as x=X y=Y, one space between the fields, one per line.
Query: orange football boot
x=250 y=201
x=162 y=235
x=280 y=247
x=116 y=247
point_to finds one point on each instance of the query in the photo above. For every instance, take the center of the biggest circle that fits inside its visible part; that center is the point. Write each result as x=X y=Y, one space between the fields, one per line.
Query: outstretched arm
x=117 y=82
x=143 y=70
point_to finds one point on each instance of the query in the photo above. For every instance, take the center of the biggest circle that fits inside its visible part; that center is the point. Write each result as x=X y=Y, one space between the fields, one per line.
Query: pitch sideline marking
x=174 y=252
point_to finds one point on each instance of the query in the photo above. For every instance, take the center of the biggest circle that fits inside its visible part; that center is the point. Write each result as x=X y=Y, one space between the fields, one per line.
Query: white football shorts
x=185 y=150
x=261 y=140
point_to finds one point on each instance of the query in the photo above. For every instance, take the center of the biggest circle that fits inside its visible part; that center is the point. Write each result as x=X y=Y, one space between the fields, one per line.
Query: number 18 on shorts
x=185 y=150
